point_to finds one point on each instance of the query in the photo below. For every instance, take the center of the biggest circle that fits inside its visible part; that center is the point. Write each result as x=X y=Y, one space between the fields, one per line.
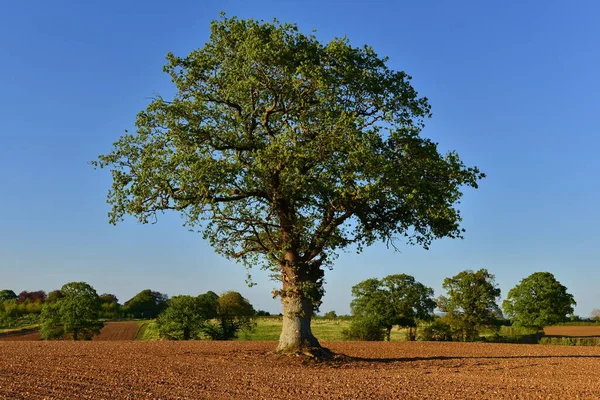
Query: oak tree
x=538 y=300
x=75 y=313
x=396 y=300
x=283 y=150
x=471 y=302
x=187 y=317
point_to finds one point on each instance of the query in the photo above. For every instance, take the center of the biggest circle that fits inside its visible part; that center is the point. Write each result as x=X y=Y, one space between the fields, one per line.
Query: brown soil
x=248 y=370
x=111 y=331
x=572 y=331
x=118 y=331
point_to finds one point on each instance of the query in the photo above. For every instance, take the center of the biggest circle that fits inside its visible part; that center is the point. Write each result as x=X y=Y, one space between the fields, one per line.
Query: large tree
x=396 y=300
x=538 y=300
x=76 y=313
x=471 y=302
x=283 y=150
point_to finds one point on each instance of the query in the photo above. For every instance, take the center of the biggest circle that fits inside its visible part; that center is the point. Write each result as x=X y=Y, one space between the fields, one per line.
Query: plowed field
x=572 y=331
x=111 y=331
x=247 y=370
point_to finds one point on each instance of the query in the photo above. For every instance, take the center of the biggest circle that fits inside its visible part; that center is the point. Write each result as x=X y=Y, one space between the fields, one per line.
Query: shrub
x=437 y=331
x=364 y=329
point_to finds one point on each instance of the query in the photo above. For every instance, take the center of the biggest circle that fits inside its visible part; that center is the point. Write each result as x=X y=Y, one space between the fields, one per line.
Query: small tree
x=396 y=300
x=186 y=317
x=537 y=301
x=471 y=302
x=330 y=315
x=7 y=294
x=595 y=314
x=75 y=313
x=283 y=151
x=234 y=313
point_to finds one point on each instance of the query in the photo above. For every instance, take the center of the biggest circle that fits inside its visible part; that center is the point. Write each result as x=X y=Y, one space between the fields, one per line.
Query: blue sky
x=513 y=85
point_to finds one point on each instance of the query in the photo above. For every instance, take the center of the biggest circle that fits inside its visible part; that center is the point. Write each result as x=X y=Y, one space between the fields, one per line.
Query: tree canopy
x=396 y=300
x=283 y=150
x=75 y=313
x=146 y=304
x=7 y=294
x=218 y=317
x=186 y=317
x=538 y=300
x=471 y=302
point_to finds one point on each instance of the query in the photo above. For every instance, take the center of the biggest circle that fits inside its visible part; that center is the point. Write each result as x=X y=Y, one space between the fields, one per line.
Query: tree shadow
x=346 y=358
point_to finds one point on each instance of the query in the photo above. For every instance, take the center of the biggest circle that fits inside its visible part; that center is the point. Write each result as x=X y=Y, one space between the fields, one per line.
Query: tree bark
x=296 y=335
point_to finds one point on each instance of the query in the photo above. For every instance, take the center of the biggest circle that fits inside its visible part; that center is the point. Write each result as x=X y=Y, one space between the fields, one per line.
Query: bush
x=437 y=331
x=364 y=329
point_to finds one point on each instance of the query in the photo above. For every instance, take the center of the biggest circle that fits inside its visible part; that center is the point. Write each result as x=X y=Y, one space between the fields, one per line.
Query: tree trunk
x=296 y=335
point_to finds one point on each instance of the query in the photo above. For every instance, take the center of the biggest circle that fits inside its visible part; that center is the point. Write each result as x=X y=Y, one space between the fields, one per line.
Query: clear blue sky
x=514 y=88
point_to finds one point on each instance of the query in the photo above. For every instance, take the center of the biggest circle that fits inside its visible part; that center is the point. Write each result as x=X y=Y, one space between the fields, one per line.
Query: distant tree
x=330 y=315
x=187 y=317
x=110 y=306
x=7 y=294
x=471 y=302
x=537 y=301
x=396 y=300
x=54 y=296
x=108 y=298
x=37 y=296
x=234 y=313
x=75 y=313
x=146 y=304
x=263 y=313
x=283 y=150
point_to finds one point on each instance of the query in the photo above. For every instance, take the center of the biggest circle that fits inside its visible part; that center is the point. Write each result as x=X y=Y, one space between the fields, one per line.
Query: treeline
x=78 y=312
x=469 y=307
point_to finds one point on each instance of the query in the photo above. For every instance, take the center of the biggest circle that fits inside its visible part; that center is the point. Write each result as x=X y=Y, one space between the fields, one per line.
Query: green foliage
x=330 y=315
x=76 y=313
x=146 y=304
x=218 y=317
x=54 y=296
x=7 y=294
x=537 y=301
x=471 y=302
x=283 y=150
x=364 y=328
x=147 y=330
x=396 y=300
x=186 y=317
x=234 y=313
x=595 y=314
x=110 y=306
x=438 y=331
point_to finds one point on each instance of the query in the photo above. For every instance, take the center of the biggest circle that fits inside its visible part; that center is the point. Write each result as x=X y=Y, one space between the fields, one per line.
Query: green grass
x=18 y=328
x=329 y=330
x=147 y=330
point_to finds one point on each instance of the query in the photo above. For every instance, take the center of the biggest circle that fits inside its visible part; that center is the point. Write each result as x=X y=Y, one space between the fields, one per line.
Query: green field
x=270 y=328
